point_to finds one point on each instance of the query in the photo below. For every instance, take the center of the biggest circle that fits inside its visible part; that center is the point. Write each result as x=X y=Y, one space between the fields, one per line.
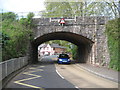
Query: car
x=63 y=58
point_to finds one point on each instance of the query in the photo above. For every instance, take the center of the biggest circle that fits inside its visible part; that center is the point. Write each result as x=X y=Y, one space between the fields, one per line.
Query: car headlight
x=60 y=59
x=68 y=59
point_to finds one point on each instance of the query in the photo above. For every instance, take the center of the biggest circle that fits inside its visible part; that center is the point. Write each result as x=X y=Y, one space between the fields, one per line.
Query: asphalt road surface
x=48 y=74
x=41 y=75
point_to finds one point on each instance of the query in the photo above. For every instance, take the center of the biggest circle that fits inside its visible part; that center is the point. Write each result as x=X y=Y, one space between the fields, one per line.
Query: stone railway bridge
x=88 y=33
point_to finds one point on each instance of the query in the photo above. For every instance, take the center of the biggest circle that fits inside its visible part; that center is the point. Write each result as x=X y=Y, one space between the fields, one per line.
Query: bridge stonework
x=85 y=32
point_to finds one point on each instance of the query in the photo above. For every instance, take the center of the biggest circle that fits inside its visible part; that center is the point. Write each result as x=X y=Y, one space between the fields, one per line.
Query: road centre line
x=64 y=78
x=59 y=74
x=34 y=77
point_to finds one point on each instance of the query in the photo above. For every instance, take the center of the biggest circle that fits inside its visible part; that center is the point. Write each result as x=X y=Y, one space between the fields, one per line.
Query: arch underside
x=83 y=43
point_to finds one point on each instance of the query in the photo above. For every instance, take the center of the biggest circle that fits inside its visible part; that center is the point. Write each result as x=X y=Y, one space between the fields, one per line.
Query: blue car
x=63 y=58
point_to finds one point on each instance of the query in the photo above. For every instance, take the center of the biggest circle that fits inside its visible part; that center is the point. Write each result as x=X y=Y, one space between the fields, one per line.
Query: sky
x=22 y=5
x=27 y=5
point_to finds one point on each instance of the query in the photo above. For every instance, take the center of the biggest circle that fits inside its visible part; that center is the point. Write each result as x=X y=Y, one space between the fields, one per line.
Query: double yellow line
x=34 y=77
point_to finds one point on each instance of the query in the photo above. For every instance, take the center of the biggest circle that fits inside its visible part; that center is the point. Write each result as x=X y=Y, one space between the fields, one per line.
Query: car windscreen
x=63 y=56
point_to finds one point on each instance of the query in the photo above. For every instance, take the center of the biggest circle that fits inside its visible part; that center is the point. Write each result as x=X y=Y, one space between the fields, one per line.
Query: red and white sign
x=62 y=21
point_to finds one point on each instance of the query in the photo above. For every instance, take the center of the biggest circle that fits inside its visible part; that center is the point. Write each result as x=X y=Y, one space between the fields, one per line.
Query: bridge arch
x=84 y=44
x=88 y=33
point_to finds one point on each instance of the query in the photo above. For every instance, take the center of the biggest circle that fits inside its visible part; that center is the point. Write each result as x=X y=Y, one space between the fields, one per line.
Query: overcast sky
x=22 y=5
x=26 y=5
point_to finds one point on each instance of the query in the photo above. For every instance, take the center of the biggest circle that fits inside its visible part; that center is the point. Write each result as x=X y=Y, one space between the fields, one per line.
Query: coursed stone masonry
x=90 y=28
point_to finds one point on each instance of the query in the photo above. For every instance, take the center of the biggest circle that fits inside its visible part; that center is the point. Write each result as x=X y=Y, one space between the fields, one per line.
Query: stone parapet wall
x=79 y=20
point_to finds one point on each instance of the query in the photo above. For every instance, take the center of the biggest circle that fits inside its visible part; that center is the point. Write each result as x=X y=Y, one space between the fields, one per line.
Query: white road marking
x=59 y=74
x=76 y=87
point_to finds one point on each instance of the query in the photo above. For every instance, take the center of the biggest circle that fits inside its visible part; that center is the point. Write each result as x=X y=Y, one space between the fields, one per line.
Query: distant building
x=47 y=49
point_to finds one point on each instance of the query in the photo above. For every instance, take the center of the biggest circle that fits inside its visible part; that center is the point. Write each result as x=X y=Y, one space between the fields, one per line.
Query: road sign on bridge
x=66 y=19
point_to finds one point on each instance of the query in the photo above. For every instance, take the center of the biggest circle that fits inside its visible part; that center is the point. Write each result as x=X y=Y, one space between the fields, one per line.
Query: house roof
x=57 y=46
x=44 y=46
x=52 y=45
x=41 y=45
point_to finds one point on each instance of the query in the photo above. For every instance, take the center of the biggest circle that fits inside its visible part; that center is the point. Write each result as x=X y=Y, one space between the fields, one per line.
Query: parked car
x=64 y=58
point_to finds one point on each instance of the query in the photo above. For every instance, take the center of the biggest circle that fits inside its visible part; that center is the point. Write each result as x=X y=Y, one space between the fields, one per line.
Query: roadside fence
x=10 y=66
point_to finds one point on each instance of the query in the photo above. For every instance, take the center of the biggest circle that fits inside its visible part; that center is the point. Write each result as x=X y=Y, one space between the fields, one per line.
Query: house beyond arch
x=50 y=49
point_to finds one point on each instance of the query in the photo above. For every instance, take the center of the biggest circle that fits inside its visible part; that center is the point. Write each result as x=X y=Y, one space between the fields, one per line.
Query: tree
x=27 y=21
x=69 y=9
x=58 y=9
x=113 y=33
x=113 y=8
x=9 y=16
x=15 y=36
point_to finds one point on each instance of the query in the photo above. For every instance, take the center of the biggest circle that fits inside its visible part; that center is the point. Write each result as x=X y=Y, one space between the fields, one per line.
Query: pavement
x=102 y=71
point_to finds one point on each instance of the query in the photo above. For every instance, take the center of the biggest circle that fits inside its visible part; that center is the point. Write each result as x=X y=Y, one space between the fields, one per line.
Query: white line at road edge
x=59 y=74
x=63 y=77
x=76 y=87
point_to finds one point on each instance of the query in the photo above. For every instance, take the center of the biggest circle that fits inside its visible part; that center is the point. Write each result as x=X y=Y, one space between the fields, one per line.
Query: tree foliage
x=69 y=9
x=15 y=36
x=58 y=9
x=113 y=32
x=27 y=21
x=9 y=16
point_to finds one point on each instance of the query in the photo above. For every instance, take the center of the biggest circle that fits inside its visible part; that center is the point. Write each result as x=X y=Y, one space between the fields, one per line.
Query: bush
x=113 y=31
x=15 y=37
